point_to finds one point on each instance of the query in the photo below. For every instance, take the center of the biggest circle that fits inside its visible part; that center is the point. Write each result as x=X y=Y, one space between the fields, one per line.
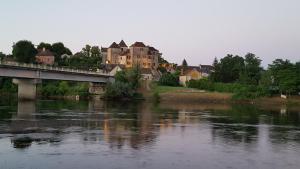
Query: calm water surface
x=51 y=134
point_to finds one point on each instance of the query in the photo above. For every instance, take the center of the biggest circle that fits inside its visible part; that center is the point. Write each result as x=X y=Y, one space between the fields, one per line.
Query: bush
x=169 y=79
x=202 y=84
x=125 y=85
x=55 y=88
x=119 y=90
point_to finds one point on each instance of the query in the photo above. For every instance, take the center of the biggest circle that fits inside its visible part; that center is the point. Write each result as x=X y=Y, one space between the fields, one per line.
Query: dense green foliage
x=246 y=78
x=241 y=91
x=63 y=88
x=24 y=51
x=125 y=85
x=80 y=61
x=6 y=85
x=169 y=79
x=2 y=56
x=284 y=76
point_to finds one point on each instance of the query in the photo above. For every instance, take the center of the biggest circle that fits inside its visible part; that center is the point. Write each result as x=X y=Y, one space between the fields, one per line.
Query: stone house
x=137 y=54
x=45 y=56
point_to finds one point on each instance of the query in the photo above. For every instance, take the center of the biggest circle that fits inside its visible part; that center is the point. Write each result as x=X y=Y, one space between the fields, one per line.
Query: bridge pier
x=97 y=88
x=26 y=88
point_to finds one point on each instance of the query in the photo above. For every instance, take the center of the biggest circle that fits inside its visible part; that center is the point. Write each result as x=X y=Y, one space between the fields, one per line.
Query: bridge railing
x=53 y=68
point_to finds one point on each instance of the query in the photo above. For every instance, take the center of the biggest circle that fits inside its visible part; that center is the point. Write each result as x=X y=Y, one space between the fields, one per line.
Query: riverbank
x=182 y=95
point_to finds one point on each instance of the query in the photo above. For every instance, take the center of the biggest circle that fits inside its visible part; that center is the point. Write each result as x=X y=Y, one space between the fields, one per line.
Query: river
x=54 y=134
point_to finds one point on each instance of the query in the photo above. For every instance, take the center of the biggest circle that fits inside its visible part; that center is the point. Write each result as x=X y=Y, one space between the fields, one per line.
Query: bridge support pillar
x=97 y=88
x=26 y=88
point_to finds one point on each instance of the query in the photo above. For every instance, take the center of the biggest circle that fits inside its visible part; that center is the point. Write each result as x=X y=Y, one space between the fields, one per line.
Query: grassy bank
x=189 y=95
x=183 y=95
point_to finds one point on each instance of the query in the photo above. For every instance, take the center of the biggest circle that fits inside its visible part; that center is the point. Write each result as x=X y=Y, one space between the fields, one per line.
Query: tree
x=59 y=49
x=276 y=66
x=266 y=82
x=125 y=85
x=86 y=50
x=2 y=56
x=216 y=62
x=169 y=79
x=184 y=63
x=24 y=51
x=44 y=45
x=285 y=75
x=288 y=80
x=96 y=52
x=228 y=69
x=252 y=70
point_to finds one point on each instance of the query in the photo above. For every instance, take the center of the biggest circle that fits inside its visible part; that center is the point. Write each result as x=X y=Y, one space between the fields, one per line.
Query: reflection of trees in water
x=137 y=124
x=243 y=123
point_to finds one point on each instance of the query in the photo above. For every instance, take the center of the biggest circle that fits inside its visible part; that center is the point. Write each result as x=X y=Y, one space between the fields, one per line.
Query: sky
x=197 y=30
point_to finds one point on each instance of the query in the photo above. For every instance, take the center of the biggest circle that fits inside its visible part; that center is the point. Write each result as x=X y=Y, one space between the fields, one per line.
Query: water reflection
x=179 y=132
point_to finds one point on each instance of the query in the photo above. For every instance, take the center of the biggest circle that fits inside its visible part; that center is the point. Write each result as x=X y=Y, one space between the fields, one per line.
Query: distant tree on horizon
x=58 y=50
x=184 y=63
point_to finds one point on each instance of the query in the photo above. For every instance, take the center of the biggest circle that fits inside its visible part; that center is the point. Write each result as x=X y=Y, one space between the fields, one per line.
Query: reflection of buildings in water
x=135 y=128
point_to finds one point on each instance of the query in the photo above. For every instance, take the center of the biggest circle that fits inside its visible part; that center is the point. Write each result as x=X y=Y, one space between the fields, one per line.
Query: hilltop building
x=137 y=54
x=45 y=56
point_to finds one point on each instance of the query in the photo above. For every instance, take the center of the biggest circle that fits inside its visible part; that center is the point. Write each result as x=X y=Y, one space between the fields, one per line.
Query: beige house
x=137 y=54
x=193 y=73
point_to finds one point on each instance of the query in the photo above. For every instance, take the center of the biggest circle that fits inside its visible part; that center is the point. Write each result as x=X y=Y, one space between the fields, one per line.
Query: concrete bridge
x=26 y=76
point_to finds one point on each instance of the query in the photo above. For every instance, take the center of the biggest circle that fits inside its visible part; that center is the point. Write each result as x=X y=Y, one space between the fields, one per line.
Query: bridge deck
x=32 y=71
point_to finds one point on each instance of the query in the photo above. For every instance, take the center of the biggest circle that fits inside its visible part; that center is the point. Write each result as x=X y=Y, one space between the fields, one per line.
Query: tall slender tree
x=184 y=63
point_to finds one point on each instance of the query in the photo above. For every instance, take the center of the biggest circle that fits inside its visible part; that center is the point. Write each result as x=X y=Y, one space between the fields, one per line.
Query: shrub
x=119 y=90
x=169 y=79
x=125 y=85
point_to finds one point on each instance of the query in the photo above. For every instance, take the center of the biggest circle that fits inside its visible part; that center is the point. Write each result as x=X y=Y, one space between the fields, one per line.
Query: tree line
x=24 y=51
x=245 y=77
